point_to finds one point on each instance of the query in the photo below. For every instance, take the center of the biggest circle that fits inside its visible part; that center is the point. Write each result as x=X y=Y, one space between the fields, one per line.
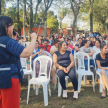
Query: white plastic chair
x=100 y=85
x=80 y=68
x=59 y=86
x=41 y=80
x=24 y=67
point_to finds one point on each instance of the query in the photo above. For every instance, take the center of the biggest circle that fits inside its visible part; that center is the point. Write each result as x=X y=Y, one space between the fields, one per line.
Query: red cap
x=59 y=36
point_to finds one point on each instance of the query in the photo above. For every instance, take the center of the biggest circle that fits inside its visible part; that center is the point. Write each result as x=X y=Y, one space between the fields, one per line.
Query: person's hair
x=56 y=41
x=85 y=41
x=68 y=39
x=37 y=41
x=102 y=46
x=45 y=40
x=80 y=38
x=106 y=55
x=5 y=22
x=60 y=45
x=98 y=41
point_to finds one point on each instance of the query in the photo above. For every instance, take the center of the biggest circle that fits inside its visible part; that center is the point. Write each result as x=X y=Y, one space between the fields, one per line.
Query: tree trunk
x=18 y=13
x=0 y=7
x=60 y=23
x=31 y=15
x=45 y=24
x=74 y=23
x=91 y=16
x=31 y=20
x=24 y=10
x=45 y=28
x=61 y=27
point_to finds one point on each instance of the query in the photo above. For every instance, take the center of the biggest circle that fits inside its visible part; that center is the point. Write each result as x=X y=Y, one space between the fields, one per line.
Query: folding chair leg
x=49 y=89
x=59 y=89
x=28 y=93
x=34 y=86
x=93 y=83
x=37 y=90
x=66 y=82
x=79 y=82
x=85 y=80
x=100 y=85
x=55 y=82
x=45 y=92
x=95 y=78
x=29 y=77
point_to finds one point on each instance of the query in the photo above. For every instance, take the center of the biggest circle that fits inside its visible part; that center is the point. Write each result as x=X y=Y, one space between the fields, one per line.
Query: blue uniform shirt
x=16 y=49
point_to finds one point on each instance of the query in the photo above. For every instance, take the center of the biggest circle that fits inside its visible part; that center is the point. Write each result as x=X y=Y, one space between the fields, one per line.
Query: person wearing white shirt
x=77 y=36
x=54 y=47
x=96 y=48
x=74 y=41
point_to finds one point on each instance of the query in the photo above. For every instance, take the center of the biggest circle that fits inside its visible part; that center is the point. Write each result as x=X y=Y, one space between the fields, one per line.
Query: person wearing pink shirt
x=69 y=44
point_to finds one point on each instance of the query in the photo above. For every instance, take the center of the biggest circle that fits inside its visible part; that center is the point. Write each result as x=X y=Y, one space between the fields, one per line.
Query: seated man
x=78 y=46
x=45 y=45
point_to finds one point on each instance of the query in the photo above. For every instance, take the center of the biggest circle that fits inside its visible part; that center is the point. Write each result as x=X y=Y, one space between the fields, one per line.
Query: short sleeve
x=69 y=52
x=56 y=53
x=98 y=56
x=81 y=49
x=14 y=47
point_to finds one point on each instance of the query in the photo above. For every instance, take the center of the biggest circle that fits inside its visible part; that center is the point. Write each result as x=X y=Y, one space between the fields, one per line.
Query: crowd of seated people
x=61 y=50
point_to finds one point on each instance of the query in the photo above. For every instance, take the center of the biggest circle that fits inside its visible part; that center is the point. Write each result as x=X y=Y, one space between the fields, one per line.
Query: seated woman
x=64 y=63
x=69 y=44
x=102 y=63
x=96 y=48
x=89 y=51
x=34 y=55
x=74 y=41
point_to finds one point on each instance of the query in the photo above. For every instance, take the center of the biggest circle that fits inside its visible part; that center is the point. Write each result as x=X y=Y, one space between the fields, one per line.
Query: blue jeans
x=86 y=63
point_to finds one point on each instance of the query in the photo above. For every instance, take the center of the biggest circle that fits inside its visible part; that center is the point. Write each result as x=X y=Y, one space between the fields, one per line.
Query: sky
x=81 y=24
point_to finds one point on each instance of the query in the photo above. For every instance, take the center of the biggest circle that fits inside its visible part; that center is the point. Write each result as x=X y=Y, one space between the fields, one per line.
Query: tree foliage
x=100 y=14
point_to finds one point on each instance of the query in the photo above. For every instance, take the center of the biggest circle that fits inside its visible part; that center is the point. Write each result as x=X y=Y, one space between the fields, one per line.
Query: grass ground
x=87 y=98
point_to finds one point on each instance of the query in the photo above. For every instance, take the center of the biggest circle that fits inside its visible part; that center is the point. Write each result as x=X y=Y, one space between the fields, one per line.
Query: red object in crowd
x=59 y=36
x=46 y=48
x=10 y=97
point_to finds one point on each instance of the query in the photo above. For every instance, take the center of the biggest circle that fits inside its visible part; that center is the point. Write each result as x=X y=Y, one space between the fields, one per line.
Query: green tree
x=12 y=12
x=100 y=14
x=0 y=7
x=75 y=6
x=31 y=18
x=47 y=5
x=91 y=15
x=18 y=14
x=62 y=13
x=52 y=21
